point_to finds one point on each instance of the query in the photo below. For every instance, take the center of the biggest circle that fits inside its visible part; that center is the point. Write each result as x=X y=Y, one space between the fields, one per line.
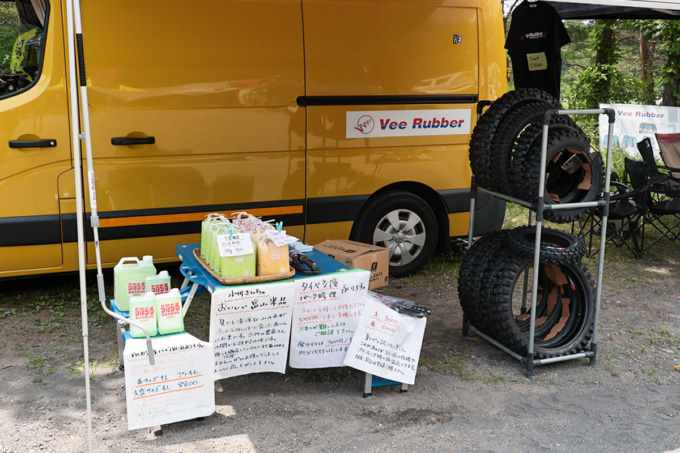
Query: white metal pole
x=75 y=142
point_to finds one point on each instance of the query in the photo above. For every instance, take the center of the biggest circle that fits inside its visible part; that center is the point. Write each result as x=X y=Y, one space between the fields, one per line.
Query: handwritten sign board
x=250 y=328
x=327 y=309
x=386 y=343
x=179 y=386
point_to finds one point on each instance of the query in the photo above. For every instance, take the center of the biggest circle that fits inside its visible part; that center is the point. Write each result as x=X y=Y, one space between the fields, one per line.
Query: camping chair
x=625 y=221
x=661 y=202
x=664 y=211
x=665 y=183
x=669 y=148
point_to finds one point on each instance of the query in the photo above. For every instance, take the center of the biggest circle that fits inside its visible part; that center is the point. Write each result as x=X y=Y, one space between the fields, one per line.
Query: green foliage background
x=9 y=31
x=600 y=70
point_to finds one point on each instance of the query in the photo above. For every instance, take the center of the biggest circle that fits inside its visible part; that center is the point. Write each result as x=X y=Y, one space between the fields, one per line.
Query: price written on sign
x=235 y=244
x=179 y=386
x=327 y=310
x=280 y=238
x=386 y=344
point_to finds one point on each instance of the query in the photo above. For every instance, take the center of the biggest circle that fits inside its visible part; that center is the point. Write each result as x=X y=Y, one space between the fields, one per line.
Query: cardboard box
x=360 y=256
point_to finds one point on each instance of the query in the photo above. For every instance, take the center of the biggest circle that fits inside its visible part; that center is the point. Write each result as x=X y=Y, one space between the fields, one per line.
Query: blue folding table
x=197 y=279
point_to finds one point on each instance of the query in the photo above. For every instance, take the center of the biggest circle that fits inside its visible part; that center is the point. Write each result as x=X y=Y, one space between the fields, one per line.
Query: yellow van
x=341 y=118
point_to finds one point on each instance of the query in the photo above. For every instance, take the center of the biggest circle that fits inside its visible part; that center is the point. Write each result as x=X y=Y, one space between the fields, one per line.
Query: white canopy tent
x=617 y=9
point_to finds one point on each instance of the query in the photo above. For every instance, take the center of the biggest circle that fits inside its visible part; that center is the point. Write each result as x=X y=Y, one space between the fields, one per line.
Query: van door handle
x=47 y=143
x=133 y=141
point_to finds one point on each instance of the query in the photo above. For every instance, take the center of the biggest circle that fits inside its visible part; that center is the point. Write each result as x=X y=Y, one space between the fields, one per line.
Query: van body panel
x=493 y=76
x=382 y=47
x=16 y=260
x=184 y=181
x=229 y=54
x=317 y=233
x=334 y=173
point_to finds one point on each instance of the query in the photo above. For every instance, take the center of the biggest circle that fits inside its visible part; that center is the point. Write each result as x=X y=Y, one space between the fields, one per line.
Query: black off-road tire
x=530 y=141
x=570 y=323
x=481 y=141
x=506 y=136
x=557 y=247
x=471 y=274
x=574 y=173
x=496 y=271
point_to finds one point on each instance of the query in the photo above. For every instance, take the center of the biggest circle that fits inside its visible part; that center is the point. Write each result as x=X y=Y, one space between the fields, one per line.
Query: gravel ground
x=468 y=396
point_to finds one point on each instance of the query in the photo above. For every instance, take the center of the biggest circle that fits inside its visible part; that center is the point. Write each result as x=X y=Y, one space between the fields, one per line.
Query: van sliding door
x=193 y=111
x=35 y=147
x=392 y=87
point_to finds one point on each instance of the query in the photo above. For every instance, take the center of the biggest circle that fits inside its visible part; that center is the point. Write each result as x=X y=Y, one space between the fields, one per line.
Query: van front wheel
x=402 y=222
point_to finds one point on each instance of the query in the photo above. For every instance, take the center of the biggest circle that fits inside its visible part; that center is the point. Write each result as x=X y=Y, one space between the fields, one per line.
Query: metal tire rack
x=540 y=207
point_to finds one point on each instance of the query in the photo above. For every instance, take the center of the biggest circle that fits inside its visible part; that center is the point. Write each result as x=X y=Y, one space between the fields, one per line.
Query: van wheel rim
x=403 y=232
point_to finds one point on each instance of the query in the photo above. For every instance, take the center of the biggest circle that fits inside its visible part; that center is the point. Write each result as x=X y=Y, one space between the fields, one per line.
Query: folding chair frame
x=662 y=195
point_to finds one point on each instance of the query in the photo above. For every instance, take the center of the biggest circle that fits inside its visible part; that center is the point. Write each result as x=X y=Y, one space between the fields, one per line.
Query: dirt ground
x=468 y=396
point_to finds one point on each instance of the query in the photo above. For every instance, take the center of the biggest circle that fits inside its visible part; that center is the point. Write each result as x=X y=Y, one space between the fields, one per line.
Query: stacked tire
x=496 y=281
x=496 y=277
x=505 y=154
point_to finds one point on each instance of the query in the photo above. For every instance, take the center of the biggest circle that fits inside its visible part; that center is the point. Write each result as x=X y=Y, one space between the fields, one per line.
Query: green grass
x=610 y=367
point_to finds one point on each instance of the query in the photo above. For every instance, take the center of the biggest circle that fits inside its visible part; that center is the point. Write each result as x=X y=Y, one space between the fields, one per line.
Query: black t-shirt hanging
x=534 y=41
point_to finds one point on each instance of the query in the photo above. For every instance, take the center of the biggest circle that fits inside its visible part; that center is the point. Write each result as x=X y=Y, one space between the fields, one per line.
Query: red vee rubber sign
x=408 y=123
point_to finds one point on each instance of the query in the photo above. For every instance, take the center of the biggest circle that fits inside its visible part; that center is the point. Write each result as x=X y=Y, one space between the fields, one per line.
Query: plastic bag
x=271 y=258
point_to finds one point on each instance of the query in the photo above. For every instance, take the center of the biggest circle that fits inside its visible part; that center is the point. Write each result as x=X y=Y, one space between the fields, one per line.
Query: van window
x=22 y=40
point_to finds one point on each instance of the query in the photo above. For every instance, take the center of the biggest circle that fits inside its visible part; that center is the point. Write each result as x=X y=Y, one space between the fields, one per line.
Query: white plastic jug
x=169 y=312
x=129 y=279
x=147 y=265
x=143 y=310
x=158 y=284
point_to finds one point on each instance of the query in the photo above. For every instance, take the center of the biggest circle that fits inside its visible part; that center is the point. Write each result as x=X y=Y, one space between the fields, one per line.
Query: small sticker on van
x=408 y=123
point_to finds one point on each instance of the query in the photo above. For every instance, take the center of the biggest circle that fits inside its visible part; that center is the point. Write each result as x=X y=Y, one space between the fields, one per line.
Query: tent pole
x=75 y=132
x=74 y=34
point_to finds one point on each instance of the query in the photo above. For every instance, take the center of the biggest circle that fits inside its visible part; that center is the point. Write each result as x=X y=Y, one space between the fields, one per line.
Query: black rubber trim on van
x=456 y=200
x=411 y=99
x=30 y=230
x=334 y=209
x=41 y=230
x=344 y=209
x=175 y=228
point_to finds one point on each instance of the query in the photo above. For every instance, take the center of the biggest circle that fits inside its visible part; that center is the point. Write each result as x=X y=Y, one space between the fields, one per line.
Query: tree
x=669 y=34
x=603 y=81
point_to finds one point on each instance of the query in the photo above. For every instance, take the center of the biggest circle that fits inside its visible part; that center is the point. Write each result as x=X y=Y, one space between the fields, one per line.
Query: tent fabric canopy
x=618 y=9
